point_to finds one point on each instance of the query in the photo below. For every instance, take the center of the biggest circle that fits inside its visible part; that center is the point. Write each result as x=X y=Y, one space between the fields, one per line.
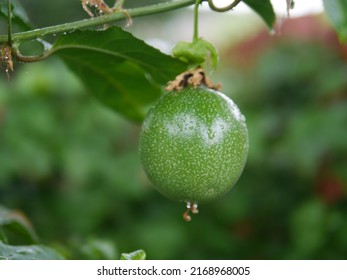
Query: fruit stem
x=191 y=207
x=196 y=20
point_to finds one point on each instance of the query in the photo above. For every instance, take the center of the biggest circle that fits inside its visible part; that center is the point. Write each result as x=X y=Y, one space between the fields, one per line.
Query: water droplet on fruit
x=211 y=134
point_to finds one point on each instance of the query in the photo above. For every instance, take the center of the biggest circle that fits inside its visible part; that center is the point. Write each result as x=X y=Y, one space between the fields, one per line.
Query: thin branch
x=97 y=21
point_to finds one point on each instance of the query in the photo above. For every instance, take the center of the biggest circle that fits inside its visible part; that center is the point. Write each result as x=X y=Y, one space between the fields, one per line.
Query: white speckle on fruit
x=181 y=126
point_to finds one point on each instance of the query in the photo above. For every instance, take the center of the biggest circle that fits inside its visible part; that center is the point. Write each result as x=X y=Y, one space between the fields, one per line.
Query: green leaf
x=19 y=15
x=195 y=53
x=33 y=252
x=264 y=9
x=336 y=11
x=120 y=70
x=136 y=255
x=15 y=226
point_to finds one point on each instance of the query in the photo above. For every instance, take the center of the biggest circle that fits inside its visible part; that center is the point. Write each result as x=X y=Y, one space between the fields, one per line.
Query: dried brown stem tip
x=195 y=77
x=191 y=207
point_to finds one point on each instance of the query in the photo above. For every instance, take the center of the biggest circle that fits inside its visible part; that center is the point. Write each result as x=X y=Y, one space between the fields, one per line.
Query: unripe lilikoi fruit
x=194 y=145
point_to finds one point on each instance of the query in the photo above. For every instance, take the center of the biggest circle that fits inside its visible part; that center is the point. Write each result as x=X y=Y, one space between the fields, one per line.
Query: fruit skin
x=194 y=144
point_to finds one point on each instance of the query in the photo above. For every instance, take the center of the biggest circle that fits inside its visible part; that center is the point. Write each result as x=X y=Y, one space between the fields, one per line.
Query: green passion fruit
x=194 y=145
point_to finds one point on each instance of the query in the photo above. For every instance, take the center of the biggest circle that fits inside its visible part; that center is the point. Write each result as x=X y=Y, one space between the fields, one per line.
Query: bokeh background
x=70 y=166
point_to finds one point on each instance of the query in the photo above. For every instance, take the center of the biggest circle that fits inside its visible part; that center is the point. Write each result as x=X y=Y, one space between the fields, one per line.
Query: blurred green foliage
x=32 y=252
x=71 y=166
x=296 y=107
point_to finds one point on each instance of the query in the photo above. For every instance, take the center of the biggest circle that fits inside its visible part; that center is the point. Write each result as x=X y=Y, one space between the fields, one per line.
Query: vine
x=97 y=21
x=102 y=17
x=117 y=15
